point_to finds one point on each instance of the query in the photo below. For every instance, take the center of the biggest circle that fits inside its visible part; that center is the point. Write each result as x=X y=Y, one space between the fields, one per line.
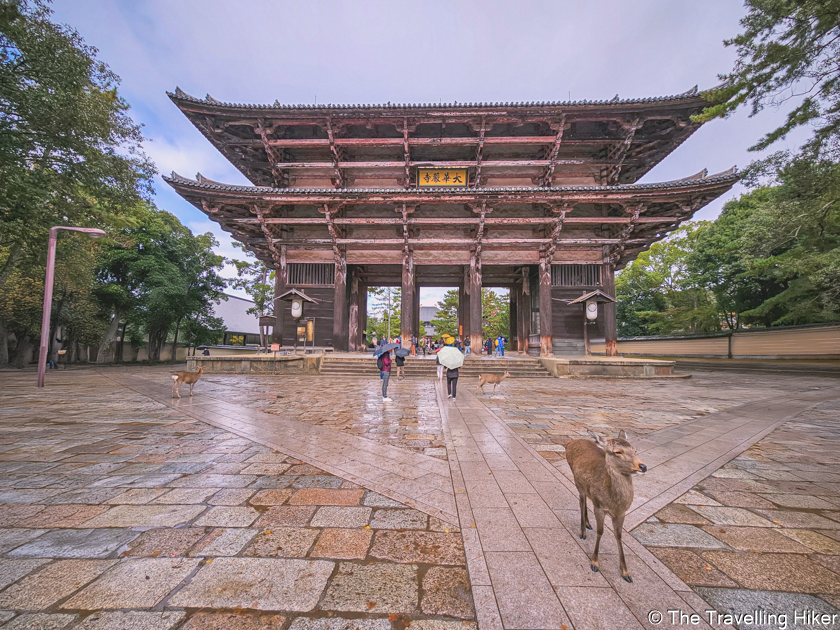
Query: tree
x=495 y=314
x=384 y=312
x=658 y=293
x=787 y=51
x=257 y=280
x=164 y=274
x=446 y=318
x=69 y=152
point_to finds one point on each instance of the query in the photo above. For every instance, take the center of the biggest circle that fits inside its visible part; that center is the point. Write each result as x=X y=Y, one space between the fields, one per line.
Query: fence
x=817 y=341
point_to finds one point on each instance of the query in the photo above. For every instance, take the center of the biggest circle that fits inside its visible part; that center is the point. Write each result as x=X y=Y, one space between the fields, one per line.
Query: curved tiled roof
x=725 y=177
x=691 y=95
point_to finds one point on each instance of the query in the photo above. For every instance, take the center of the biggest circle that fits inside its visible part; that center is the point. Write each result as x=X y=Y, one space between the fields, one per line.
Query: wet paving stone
x=166 y=542
x=256 y=583
x=77 y=543
x=446 y=591
x=334 y=516
x=346 y=544
x=421 y=547
x=398 y=519
x=286 y=516
x=283 y=542
x=675 y=535
x=386 y=588
x=132 y=620
x=40 y=621
x=134 y=583
x=233 y=621
x=52 y=583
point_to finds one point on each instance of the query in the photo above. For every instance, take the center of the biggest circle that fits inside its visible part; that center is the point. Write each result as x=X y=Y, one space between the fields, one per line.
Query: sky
x=364 y=51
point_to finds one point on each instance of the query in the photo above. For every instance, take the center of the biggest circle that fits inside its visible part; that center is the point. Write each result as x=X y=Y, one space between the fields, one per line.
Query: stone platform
x=610 y=367
x=361 y=364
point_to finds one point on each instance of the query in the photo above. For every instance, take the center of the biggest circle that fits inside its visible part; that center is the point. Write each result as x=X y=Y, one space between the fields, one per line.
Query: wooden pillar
x=512 y=329
x=340 y=305
x=610 y=326
x=546 y=341
x=416 y=312
x=354 y=336
x=363 y=295
x=407 y=300
x=279 y=289
x=523 y=317
x=464 y=303
x=476 y=340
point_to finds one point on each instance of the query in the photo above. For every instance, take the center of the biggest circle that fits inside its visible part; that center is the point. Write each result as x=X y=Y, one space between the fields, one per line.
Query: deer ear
x=595 y=437
x=622 y=435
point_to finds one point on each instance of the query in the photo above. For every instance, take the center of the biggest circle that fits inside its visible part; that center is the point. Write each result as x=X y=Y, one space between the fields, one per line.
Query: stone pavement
x=763 y=530
x=518 y=511
x=120 y=513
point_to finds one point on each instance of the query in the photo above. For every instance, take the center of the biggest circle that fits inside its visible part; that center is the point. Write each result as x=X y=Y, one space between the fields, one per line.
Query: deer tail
x=174 y=377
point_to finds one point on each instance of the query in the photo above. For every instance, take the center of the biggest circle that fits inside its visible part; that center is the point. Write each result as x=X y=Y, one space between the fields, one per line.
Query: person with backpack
x=466 y=346
x=452 y=383
x=384 y=365
x=400 y=361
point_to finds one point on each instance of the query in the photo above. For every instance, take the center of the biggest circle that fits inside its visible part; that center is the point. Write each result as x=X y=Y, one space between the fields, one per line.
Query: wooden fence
x=818 y=341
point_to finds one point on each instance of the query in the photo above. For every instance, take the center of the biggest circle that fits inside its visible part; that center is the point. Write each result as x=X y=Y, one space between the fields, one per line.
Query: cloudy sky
x=360 y=51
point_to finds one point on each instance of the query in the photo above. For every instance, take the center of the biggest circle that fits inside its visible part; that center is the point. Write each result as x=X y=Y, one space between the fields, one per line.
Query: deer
x=603 y=472
x=495 y=379
x=180 y=378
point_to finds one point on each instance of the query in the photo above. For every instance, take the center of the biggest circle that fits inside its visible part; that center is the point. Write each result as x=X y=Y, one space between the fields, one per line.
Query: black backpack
x=379 y=362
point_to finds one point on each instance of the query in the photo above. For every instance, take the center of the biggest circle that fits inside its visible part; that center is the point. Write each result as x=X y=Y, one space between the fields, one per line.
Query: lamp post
x=48 y=290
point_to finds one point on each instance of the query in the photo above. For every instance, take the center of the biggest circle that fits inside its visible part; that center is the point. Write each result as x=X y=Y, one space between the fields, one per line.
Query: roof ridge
x=730 y=174
x=691 y=94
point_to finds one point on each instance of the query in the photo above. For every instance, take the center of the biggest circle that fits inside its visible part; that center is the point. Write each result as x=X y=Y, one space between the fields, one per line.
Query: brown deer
x=191 y=378
x=603 y=473
x=495 y=379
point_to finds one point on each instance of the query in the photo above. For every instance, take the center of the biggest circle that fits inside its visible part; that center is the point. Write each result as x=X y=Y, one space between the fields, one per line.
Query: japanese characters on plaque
x=434 y=177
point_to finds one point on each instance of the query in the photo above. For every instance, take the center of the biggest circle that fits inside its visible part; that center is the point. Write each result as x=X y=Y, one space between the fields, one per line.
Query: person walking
x=502 y=344
x=400 y=361
x=384 y=364
x=452 y=383
x=413 y=345
x=466 y=346
x=439 y=369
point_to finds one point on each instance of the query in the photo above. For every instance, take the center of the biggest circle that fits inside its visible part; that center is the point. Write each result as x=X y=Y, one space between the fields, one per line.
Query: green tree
x=384 y=312
x=69 y=152
x=166 y=276
x=658 y=293
x=787 y=52
x=446 y=318
x=495 y=314
x=257 y=280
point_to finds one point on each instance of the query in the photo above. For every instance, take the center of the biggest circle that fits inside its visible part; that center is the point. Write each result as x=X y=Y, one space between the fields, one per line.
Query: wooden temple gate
x=539 y=198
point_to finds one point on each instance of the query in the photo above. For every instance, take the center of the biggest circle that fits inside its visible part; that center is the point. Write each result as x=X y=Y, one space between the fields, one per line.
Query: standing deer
x=495 y=379
x=603 y=473
x=190 y=378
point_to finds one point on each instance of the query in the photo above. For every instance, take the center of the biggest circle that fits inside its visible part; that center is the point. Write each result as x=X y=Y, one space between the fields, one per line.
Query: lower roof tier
x=507 y=226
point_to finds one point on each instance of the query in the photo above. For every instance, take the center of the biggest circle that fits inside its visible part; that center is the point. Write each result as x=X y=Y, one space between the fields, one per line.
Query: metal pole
x=45 y=317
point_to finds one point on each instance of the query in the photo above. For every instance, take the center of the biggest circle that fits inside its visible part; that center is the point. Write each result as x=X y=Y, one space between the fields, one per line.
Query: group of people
x=385 y=364
x=495 y=347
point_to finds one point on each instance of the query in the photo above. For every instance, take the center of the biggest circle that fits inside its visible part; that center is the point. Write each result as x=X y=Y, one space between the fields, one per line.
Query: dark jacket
x=399 y=360
x=451 y=373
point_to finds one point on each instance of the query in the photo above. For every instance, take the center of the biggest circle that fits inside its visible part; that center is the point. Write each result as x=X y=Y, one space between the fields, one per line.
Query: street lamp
x=48 y=290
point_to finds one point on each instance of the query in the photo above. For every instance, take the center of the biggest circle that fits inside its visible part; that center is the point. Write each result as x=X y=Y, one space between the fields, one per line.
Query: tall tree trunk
x=4 y=344
x=108 y=345
x=175 y=341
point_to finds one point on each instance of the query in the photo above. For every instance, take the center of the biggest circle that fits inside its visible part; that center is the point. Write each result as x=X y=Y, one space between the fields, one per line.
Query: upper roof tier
x=501 y=144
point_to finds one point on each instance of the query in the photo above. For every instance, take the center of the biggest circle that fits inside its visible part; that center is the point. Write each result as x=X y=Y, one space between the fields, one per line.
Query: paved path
x=519 y=518
x=417 y=480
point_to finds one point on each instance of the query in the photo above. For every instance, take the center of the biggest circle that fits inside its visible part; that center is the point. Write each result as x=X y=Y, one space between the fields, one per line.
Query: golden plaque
x=441 y=177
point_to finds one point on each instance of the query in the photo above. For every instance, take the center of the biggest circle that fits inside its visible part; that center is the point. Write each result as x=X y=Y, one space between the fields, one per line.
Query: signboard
x=441 y=177
x=267 y=320
x=275 y=347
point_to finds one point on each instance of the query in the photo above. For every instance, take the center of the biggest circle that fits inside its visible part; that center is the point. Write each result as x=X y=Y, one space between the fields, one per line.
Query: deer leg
x=599 y=523
x=191 y=386
x=178 y=389
x=618 y=524
x=173 y=389
x=584 y=517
